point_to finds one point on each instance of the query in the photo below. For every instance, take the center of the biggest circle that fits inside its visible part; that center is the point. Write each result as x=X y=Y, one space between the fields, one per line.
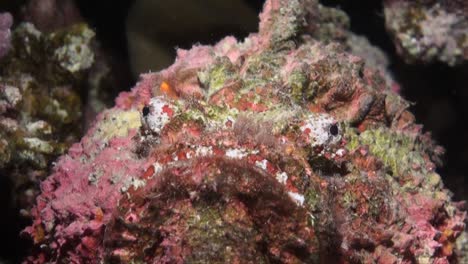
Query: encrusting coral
x=429 y=30
x=281 y=148
x=41 y=76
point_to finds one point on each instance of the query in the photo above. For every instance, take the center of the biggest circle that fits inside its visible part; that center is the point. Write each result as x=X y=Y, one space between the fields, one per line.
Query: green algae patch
x=398 y=151
x=299 y=83
x=312 y=198
x=222 y=74
x=262 y=69
x=208 y=229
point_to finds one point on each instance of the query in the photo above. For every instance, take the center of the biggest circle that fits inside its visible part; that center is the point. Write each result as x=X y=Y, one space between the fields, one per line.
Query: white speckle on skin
x=137 y=183
x=297 y=198
x=93 y=178
x=203 y=151
x=341 y=152
x=262 y=164
x=132 y=182
x=317 y=126
x=157 y=167
x=282 y=177
x=236 y=153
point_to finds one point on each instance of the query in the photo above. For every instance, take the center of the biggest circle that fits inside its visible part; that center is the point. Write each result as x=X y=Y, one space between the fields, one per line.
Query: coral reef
x=283 y=148
x=41 y=77
x=54 y=78
x=99 y=84
x=428 y=30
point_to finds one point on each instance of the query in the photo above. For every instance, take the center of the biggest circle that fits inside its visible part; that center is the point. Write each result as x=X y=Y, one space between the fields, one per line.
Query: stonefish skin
x=277 y=149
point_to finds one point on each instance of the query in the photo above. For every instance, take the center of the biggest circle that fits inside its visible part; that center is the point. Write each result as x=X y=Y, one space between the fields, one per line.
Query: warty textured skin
x=277 y=149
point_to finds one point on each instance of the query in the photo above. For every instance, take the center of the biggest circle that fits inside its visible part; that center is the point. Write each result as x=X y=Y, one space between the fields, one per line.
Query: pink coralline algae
x=277 y=149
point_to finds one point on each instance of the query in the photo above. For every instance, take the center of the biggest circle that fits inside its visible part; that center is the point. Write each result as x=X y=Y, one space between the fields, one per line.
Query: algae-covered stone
x=75 y=53
x=429 y=31
x=400 y=152
x=41 y=78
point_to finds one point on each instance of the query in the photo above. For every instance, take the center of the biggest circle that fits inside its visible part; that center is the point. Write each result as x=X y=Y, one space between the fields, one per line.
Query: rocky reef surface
x=53 y=77
x=285 y=147
x=41 y=77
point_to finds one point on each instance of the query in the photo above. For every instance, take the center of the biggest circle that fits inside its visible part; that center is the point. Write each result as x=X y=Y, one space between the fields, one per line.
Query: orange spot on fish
x=315 y=108
x=166 y=89
x=39 y=234
x=99 y=214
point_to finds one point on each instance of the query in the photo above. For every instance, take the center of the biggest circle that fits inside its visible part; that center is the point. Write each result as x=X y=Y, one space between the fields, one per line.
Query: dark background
x=439 y=92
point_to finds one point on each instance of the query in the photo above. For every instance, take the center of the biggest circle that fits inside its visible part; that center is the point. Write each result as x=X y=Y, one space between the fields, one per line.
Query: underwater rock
x=427 y=30
x=41 y=77
x=280 y=148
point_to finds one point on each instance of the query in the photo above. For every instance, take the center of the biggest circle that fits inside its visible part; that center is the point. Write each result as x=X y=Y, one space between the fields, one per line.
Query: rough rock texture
x=429 y=30
x=281 y=148
x=99 y=87
x=332 y=25
x=41 y=78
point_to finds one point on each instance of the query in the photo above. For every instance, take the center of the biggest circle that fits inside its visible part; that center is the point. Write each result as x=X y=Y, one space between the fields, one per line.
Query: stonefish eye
x=145 y=111
x=158 y=113
x=321 y=129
